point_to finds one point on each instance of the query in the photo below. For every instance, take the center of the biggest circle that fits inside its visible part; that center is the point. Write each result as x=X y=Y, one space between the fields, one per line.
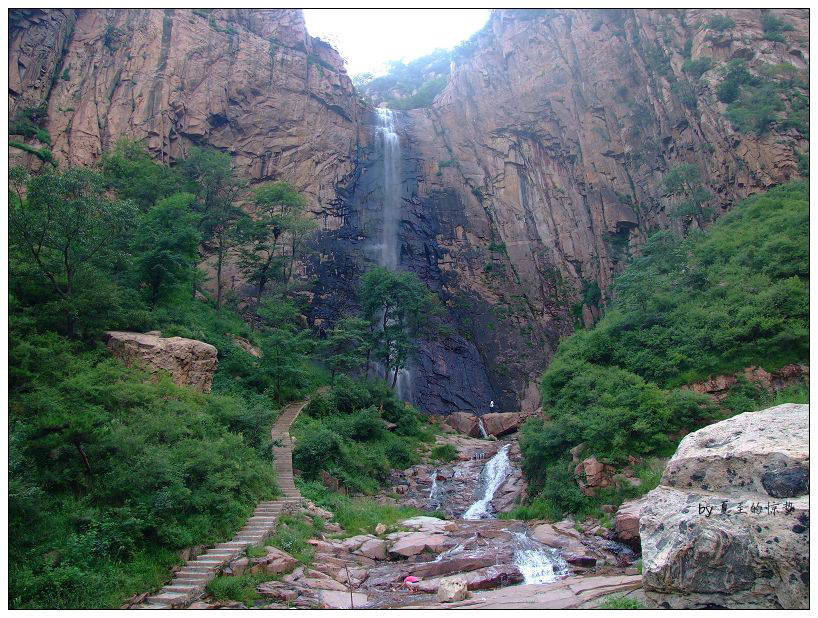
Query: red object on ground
x=411 y=580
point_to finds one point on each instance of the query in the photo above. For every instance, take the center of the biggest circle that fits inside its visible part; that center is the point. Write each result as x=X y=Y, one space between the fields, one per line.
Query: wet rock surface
x=453 y=487
x=718 y=532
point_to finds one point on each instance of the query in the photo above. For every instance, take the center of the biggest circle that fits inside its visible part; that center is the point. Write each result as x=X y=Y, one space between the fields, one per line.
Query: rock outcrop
x=524 y=186
x=252 y=83
x=188 y=361
x=718 y=387
x=729 y=524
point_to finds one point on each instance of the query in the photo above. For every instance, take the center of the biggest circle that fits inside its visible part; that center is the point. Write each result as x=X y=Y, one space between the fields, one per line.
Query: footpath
x=190 y=582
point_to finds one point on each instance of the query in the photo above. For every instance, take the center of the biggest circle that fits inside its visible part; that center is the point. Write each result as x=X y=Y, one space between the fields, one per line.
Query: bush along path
x=190 y=582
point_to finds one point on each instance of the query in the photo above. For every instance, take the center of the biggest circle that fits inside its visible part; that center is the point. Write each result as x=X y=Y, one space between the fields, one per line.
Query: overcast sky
x=368 y=38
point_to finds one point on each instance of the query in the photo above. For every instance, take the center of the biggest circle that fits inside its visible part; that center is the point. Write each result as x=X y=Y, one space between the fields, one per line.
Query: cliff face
x=252 y=83
x=525 y=185
x=542 y=161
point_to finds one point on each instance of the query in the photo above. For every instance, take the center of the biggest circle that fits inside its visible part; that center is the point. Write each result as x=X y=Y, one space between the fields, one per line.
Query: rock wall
x=542 y=163
x=251 y=83
x=729 y=524
x=526 y=185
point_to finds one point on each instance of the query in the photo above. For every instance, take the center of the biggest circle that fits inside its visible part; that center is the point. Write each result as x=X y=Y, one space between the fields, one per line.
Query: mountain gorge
x=466 y=334
x=525 y=185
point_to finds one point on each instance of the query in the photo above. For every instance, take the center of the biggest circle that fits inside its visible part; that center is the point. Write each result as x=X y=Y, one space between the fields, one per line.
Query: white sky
x=368 y=38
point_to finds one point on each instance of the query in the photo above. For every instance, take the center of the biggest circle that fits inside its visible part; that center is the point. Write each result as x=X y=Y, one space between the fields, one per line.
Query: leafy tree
x=286 y=346
x=400 y=308
x=64 y=221
x=347 y=346
x=131 y=171
x=167 y=243
x=278 y=212
x=218 y=192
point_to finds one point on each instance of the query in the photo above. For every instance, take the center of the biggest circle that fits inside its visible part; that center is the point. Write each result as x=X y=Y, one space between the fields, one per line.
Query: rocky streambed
x=469 y=557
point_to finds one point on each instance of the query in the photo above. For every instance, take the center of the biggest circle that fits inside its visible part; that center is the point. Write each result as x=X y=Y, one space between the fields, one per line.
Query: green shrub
x=697 y=67
x=720 y=23
x=621 y=602
x=241 y=588
x=683 y=311
x=444 y=452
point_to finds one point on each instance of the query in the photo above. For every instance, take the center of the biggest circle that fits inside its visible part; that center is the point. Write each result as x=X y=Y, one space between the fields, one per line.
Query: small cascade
x=537 y=563
x=436 y=493
x=482 y=428
x=494 y=473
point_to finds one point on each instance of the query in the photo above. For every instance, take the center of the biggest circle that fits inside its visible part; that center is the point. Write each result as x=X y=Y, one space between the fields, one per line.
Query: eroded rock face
x=729 y=524
x=188 y=361
x=252 y=83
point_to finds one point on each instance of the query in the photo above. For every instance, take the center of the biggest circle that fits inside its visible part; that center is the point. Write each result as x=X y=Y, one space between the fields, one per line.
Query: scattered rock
x=451 y=589
x=373 y=548
x=626 y=523
x=380 y=529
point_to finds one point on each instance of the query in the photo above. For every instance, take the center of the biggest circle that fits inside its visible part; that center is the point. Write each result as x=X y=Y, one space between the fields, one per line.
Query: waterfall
x=494 y=473
x=391 y=187
x=482 y=428
x=391 y=200
x=537 y=563
x=436 y=493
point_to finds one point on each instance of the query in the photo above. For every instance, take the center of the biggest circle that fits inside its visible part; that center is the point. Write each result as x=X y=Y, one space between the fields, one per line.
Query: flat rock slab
x=568 y=593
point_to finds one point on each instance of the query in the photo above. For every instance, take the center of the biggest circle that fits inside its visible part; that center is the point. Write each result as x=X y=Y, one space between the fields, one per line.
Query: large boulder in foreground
x=729 y=524
x=189 y=362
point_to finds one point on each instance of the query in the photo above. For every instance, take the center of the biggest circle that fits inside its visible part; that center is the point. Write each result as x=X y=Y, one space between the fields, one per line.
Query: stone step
x=201 y=583
x=169 y=599
x=238 y=545
x=197 y=575
x=182 y=588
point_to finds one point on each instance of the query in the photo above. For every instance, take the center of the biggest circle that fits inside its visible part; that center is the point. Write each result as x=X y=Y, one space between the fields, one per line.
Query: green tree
x=347 y=346
x=63 y=222
x=400 y=308
x=167 y=244
x=278 y=212
x=130 y=170
x=286 y=347
x=218 y=191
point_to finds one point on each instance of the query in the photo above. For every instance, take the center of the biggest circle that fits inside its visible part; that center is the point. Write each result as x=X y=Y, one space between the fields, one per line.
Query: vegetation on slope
x=358 y=432
x=686 y=309
x=112 y=471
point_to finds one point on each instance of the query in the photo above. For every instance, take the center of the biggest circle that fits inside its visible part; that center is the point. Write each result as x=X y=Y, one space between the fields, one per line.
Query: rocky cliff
x=525 y=185
x=251 y=83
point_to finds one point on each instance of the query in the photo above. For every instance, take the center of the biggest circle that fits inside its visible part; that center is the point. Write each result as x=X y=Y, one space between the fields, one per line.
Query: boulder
x=729 y=524
x=503 y=423
x=626 y=523
x=434 y=525
x=418 y=542
x=373 y=548
x=188 y=361
x=451 y=589
x=275 y=562
x=465 y=422
x=331 y=599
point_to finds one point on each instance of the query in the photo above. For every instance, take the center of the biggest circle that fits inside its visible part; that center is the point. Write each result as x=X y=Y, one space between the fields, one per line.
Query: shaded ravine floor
x=190 y=582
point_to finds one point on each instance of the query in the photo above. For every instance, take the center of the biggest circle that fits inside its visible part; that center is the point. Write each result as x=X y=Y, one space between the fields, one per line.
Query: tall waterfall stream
x=389 y=254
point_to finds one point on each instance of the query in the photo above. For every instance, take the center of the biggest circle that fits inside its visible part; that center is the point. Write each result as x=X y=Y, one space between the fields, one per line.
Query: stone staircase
x=190 y=582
